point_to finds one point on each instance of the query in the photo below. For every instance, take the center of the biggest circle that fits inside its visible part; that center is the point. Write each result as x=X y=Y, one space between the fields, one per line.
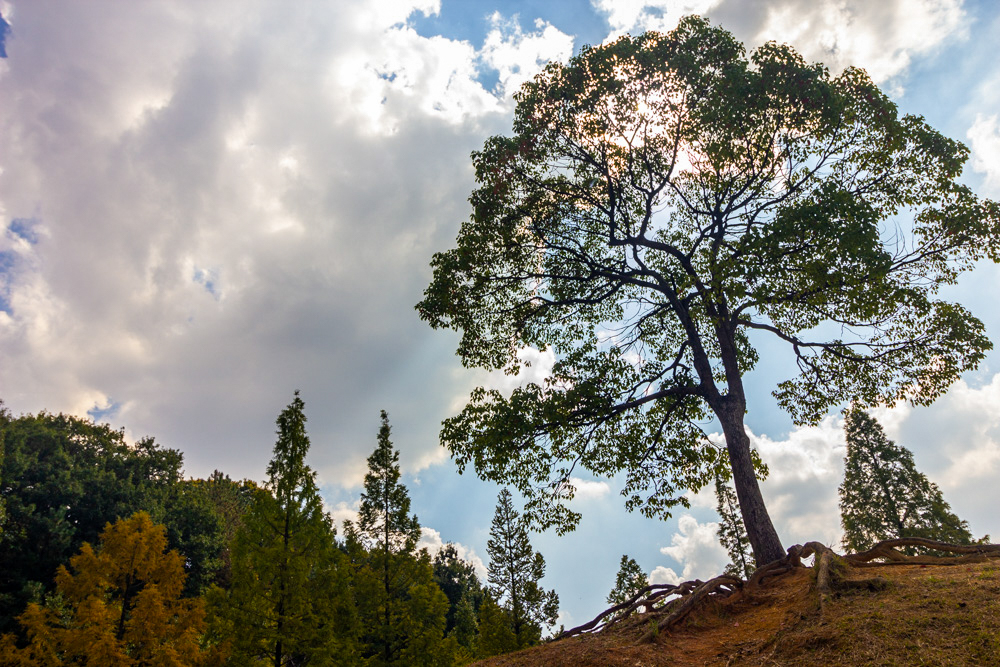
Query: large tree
x=662 y=198
x=884 y=496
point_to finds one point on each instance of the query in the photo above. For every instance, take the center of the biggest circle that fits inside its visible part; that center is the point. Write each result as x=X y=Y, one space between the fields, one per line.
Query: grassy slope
x=930 y=615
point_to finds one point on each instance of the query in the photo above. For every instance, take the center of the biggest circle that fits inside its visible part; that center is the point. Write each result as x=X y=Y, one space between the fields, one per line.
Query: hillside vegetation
x=920 y=615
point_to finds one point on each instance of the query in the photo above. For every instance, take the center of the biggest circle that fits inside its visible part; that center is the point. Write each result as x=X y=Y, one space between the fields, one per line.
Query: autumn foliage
x=117 y=604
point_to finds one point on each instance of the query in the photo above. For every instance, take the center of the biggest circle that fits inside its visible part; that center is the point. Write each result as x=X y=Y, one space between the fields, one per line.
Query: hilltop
x=920 y=614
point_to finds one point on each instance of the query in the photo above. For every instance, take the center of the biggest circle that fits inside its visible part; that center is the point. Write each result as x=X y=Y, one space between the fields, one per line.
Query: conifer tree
x=288 y=601
x=732 y=533
x=514 y=572
x=884 y=496
x=402 y=609
x=120 y=606
x=496 y=636
x=629 y=581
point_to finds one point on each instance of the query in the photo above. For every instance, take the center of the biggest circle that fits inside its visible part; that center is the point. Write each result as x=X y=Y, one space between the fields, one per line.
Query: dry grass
x=929 y=615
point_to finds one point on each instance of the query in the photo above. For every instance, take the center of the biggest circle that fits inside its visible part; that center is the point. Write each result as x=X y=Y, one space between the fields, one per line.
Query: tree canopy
x=119 y=606
x=63 y=479
x=662 y=198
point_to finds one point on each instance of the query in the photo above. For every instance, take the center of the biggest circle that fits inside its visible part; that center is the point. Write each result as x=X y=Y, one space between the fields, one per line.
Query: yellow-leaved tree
x=120 y=606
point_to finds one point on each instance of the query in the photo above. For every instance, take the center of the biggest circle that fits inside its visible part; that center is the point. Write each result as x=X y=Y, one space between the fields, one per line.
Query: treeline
x=110 y=556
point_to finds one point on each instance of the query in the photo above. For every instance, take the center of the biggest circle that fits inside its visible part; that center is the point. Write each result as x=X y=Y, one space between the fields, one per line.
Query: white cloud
x=343 y=512
x=881 y=37
x=518 y=56
x=665 y=575
x=984 y=140
x=641 y=15
x=589 y=489
x=696 y=547
x=430 y=539
x=801 y=491
x=237 y=201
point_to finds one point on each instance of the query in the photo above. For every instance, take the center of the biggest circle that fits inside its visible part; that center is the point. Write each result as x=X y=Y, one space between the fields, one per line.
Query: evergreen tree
x=403 y=611
x=629 y=581
x=288 y=600
x=514 y=571
x=732 y=533
x=884 y=496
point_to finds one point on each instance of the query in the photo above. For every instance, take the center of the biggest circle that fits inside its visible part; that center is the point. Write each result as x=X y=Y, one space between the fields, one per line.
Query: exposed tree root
x=681 y=607
x=970 y=553
x=656 y=609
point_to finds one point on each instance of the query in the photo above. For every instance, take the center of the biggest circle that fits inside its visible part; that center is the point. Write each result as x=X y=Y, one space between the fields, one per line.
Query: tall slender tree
x=732 y=533
x=514 y=572
x=402 y=608
x=288 y=600
x=884 y=496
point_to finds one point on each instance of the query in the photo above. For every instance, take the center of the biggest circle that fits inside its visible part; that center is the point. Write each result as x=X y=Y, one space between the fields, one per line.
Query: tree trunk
x=763 y=538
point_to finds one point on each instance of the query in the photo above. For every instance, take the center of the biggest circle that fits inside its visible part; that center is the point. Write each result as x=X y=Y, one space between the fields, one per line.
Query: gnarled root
x=681 y=607
x=887 y=549
x=830 y=569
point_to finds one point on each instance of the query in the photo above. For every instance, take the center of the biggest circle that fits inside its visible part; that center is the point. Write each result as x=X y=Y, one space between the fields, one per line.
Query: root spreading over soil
x=916 y=609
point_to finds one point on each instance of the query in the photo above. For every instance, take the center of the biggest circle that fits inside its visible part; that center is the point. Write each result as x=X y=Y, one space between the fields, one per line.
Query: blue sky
x=205 y=206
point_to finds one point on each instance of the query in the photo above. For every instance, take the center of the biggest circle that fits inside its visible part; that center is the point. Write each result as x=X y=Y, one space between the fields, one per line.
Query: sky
x=206 y=206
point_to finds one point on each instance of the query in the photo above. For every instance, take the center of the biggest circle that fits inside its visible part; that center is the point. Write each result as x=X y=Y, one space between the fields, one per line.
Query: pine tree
x=884 y=496
x=732 y=532
x=402 y=608
x=120 y=606
x=288 y=600
x=514 y=572
x=629 y=581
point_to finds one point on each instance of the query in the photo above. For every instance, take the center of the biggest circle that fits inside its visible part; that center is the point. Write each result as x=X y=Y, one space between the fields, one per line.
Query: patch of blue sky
x=8 y=262
x=469 y=21
x=208 y=278
x=4 y=32
x=24 y=228
x=105 y=414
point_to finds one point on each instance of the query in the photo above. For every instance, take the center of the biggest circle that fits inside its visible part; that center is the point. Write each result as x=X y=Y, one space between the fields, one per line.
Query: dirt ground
x=928 y=615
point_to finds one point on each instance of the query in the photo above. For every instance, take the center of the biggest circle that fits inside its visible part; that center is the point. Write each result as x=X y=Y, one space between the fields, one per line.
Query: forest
x=112 y=557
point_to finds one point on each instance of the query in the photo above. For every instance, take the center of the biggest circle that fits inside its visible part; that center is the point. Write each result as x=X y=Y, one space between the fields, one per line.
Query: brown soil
x=929 y=615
